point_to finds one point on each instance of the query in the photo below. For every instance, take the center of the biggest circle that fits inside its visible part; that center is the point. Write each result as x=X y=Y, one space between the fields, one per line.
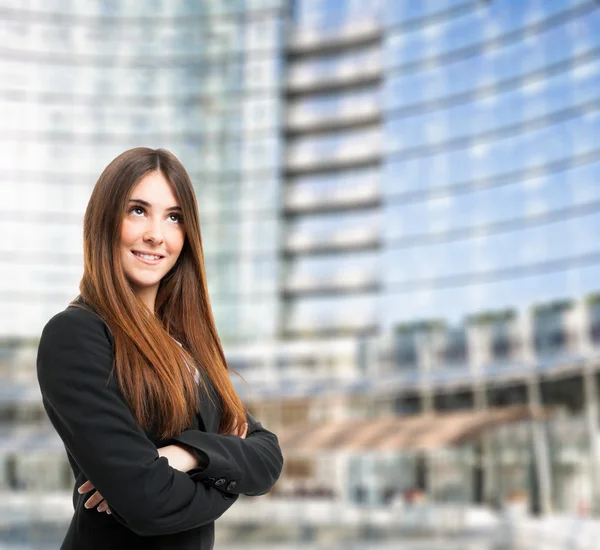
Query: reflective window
x=496 y=158
x=490 y=256
x=475 y=24
x=331 y=14
x=544 y=99
x=543 y=198
x=538 y=52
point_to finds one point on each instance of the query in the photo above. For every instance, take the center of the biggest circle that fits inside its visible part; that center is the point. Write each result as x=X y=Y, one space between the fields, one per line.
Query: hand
x=240 y=431
x=179 y=457
x=94 y=499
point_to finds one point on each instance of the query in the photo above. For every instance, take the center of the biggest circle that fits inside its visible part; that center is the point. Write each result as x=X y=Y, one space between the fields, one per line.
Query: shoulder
x=75 y=326
x=74 y=343
x=75 y=330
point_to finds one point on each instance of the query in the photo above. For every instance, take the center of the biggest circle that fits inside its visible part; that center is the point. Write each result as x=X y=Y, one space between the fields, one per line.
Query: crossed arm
x=145 y=493
x=244 y=463
x=236 y=465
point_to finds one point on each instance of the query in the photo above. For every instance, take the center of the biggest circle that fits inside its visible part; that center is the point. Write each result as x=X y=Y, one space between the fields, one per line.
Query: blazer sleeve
x=249 y=466
x=98 y=429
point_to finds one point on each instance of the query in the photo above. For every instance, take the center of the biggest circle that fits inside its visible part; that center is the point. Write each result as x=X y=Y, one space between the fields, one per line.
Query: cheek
x=176 y=241
x=128 y=234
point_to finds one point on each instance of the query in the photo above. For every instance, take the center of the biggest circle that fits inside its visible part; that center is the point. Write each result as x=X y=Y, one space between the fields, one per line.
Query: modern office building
x=440 y=191
x=399 y=206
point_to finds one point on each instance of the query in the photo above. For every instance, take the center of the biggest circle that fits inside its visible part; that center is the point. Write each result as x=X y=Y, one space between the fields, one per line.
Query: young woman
x=133 y=375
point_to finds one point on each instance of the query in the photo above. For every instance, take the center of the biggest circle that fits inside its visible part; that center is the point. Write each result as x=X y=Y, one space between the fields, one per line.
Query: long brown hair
x=151 y=367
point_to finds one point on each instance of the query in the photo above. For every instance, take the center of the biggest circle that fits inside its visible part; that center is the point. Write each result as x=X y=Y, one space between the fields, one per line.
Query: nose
x=153 y=232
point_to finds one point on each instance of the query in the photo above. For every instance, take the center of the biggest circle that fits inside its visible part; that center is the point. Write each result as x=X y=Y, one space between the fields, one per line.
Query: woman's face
x=152 y=225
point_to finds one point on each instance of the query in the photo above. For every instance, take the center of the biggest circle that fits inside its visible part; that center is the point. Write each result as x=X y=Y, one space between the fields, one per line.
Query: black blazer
x=153 y=505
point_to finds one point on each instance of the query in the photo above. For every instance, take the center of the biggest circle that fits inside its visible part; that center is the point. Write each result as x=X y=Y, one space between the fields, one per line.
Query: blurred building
x=399 y=206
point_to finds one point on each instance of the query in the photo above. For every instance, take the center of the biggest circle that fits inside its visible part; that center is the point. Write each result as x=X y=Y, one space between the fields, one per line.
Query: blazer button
x=225 y=496
x=220 y=481
x=209 y=480
x=231 y=485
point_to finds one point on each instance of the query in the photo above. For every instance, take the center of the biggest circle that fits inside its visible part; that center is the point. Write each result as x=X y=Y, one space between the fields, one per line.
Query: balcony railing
x=346 y=281
x=301 y=118
x=304 y=78
x=350 y=35
x=348 y=238
x=346 y=154
x=330 y=326
x=362 y=194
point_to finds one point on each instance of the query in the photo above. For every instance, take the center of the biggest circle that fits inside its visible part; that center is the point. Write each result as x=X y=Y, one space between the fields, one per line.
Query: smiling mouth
x=147 y=258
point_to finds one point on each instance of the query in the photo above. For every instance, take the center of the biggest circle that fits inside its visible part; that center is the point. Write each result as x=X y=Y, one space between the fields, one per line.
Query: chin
x=142 y=283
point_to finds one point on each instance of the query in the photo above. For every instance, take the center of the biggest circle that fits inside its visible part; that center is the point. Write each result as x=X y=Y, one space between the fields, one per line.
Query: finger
x=94 y=500
x=108 y=510
x=87 y=486
x=102 y=506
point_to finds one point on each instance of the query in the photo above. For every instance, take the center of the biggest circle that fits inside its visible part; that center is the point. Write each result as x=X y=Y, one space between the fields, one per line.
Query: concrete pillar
x=478 y=338
x=487 y=457
x=540 y=446
x=590 y=389
x=427 y=406
x=426 y=375
x=541 y=452
x=582 y=322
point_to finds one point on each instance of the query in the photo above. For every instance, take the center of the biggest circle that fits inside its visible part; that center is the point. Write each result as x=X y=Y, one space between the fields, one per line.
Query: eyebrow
x=147 y=204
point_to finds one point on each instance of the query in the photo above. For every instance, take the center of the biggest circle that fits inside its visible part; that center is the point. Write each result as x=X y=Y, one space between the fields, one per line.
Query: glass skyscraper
x=399 y=206
x=83 y=82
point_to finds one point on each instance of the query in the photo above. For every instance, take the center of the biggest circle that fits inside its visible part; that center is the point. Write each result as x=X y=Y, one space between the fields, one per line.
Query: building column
x=582 y=324
x=590 y=389
x=426 y=365
x=487 y=457
x=541 y=452
x=540 y=445
x=478 y=339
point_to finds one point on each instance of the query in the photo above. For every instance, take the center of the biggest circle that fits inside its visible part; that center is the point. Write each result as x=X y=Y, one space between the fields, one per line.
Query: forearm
x=181 y=457
x=248 y=466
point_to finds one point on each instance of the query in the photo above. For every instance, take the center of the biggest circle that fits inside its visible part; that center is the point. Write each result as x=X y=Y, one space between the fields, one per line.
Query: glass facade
x=81 y=84
x=399 y=205
x=463 y=258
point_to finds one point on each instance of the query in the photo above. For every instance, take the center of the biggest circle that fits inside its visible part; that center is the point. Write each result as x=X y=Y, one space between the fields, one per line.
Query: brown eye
x=136 y=208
